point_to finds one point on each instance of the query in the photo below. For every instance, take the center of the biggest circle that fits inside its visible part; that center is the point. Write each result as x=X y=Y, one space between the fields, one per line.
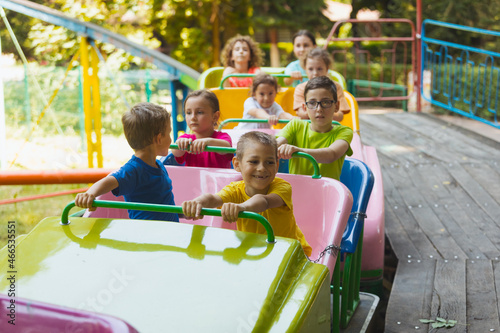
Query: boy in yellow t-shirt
x=259 y=191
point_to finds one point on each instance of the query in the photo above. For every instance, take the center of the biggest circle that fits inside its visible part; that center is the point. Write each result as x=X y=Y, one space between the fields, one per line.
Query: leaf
x=452 y=321
x=426 y=321
x=441 y=320
x=438 y=325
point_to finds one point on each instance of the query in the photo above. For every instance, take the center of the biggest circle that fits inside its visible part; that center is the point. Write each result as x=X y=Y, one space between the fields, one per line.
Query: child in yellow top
x=259 y=191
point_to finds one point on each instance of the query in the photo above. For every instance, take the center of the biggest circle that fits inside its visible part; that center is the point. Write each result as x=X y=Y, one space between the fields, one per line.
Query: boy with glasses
x=327 y=143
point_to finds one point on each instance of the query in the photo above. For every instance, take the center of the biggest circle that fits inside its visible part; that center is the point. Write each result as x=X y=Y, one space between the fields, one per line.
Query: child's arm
x=293 y=76
x=322 y=155
x=258 y=203
x=286 y=115
x=227 y=71
x=338 y=116
x=104 y=185
x=262 y=114
x=199 y=145
x=183 y=144
x=192 y=208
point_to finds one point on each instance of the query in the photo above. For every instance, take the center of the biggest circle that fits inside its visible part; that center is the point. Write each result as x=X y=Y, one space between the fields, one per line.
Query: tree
x=294 y=15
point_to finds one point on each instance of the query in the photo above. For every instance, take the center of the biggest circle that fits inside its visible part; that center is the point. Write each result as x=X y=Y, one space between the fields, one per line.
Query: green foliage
x=439 y=322
x=67 y=103
x=28 y=213
x=295 y=14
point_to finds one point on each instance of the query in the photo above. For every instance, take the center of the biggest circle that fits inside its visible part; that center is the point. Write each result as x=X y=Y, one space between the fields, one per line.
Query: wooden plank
x=476 y=191
x=401 y=244
x=496 y=274
x=433 y=228
x=482 y=302
x=417 y=236
x=449 y=295
x=446 y=135
x=403 y=143
x=487 y=176
x=411 y=295
x=470 y=239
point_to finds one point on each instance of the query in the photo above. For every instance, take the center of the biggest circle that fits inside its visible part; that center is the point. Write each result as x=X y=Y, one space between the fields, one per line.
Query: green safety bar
x=281 y=121
x=250 y=75
x=168 y=209
x=226 y=150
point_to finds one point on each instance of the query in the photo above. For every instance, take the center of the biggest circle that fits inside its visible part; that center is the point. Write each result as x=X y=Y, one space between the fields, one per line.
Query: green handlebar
x=250 y=75
x=224 y=150
x=168 y=209
x=212 y=149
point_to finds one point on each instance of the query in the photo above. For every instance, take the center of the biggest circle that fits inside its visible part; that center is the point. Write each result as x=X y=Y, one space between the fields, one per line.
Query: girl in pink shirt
x=202 y=113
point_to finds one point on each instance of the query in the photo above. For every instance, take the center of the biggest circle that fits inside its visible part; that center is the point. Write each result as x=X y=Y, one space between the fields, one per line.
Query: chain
x=329 y=249
x=359 y=214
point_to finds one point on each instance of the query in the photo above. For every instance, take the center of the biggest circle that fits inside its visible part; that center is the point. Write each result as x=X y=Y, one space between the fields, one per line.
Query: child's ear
x=277 y=164
x=236 y=164
x=304 y=107
x=157 y=138
x=215 y=117
x=337 y=106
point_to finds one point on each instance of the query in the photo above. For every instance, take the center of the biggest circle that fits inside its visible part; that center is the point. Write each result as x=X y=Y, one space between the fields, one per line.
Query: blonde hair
x=258 y=137
x=317 y=53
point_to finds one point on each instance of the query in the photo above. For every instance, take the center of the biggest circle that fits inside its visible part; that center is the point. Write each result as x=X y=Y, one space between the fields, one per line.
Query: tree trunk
x=215 y=34
x=275 y=53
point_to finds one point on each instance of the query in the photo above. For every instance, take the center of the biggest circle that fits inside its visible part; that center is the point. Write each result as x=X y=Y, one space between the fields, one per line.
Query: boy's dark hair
x=317 y=53
x=255 y=136
x=206 y=94
x=143 y=122
x=255 y=51
x=306 y=33
x=321 y=82
x=263 y=79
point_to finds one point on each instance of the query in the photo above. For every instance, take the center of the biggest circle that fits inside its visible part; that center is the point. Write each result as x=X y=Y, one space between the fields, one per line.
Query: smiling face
x=258 y=167
x=321 y=118
x=301 y=45
x=265 y=95
x=241 y=52
x=315 y=67
x=200 y=116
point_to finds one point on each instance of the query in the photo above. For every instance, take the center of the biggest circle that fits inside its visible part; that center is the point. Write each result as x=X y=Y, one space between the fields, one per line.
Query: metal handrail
x=250 y=75
x=169 y=209
x=226 y=150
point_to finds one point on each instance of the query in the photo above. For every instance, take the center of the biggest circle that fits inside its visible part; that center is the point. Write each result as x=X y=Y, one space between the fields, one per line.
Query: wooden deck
x=442 y=204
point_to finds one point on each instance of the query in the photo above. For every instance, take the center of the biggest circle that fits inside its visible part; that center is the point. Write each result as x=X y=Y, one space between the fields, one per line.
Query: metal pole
x=418 y=74
x=3 y=134
x=27 y=99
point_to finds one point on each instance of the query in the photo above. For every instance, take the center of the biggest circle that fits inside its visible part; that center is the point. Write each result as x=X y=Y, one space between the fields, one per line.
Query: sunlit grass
x=28 y=213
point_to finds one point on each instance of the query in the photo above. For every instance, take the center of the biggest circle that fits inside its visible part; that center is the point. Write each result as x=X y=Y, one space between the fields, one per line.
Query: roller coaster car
x=231 y=104
x=181 y=277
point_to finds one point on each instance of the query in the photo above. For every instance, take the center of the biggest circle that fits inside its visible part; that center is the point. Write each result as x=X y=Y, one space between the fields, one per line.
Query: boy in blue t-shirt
x=143 y=178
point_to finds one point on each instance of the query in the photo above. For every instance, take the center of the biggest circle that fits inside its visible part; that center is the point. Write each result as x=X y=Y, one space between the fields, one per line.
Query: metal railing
x=465 y=79
x=369 y=74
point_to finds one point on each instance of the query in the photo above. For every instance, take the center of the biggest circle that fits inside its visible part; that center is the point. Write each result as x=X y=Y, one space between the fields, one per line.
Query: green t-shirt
x=300 y=134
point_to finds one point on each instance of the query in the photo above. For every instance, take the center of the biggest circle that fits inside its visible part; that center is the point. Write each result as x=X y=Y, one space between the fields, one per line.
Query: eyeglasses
x=324 y=104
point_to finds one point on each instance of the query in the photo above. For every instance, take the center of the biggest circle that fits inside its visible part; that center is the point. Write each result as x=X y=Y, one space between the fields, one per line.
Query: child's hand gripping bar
x=169 y=209
x=225 y=150
x=251 y=75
